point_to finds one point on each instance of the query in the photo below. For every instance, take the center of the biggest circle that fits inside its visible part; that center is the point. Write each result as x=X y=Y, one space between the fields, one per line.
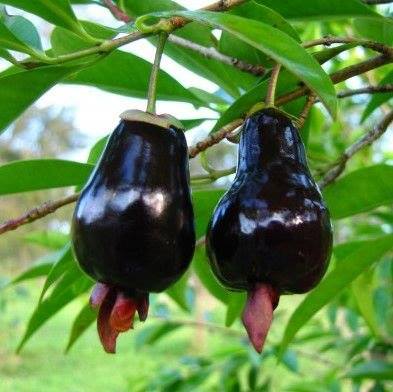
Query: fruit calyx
x=161 y=120
x=258 y=313
x=116 y=311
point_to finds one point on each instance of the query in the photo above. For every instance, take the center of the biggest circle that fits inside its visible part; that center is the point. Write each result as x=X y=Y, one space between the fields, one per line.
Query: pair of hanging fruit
x=133 y=226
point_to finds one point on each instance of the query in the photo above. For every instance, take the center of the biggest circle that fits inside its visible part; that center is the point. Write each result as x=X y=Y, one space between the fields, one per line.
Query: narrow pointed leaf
x=37 y=174
x=82 y=322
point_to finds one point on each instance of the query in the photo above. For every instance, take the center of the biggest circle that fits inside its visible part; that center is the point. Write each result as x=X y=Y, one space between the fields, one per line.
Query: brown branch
x=116 y=11
x=363 y=142
x=385 y=88
x=214 y=54
x=37 y=213
x=214 y=138
x=329 y=40
x=311 y=99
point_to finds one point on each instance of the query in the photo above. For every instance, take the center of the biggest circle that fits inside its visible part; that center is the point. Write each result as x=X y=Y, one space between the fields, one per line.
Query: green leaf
x=239 y=49
x=205 y=275
x=36 y=174
x=126 y=74
x=70 y=276
x=6 y=56
x=58 y=12
x=63 y=262
x=290 y=360
x=354 y=264
x=152 y=333
x=8 y=40
x=82 y=322
x=64 y=41
x=36 y=271
x=48 y=238
x=52 y=305
x=235 y=307
x=178 y=292
x=225 y=76
x=363 y=290
x=96 y=150
x=378 y=99
x=320 y=10
x=376 y=29
x=204 y=202
x=24 y=30
x=19 y=90
x=374 y=369
x=374 y=188
x=277 y=45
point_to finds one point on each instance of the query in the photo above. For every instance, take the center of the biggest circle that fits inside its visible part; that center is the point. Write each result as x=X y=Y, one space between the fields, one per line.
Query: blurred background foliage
x=193 y=339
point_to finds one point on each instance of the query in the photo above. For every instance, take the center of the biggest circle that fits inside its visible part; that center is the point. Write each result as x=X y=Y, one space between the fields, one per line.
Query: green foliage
x=374 y=188
x=343 y=327
x=17 y=176
x=278 y=46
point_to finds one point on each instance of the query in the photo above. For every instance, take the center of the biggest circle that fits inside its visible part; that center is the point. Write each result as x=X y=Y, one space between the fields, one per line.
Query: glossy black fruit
x=133 y=227
x=270 y=234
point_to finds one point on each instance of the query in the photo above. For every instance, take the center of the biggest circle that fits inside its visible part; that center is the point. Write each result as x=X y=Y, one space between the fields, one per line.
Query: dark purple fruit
x=133 y=226
x=270 y=234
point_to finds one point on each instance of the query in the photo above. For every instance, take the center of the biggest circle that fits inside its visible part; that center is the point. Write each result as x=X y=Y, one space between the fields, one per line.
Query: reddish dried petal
x=142 y=306
x=106 y=333
x=122 y=315
x=258 y=314
x=98 y=294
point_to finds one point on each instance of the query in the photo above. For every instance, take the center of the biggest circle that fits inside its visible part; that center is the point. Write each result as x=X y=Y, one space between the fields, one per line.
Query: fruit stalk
x=152 y=92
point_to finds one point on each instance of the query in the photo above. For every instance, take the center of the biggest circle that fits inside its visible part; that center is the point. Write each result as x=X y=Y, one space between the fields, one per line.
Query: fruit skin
x=272 y=225
x=133 y=226
x=270 y=234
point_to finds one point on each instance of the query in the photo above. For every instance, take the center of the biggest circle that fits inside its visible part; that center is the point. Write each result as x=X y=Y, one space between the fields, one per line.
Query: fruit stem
x=152 y=93
x=271 y=89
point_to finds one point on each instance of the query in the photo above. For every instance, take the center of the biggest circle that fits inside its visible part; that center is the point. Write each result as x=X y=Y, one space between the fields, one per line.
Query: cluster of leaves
x=258 y=32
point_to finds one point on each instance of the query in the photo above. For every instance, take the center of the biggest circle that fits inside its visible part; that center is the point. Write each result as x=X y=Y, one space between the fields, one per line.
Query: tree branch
x=329 y=40
x=363 y=142
x=37 y=213
x=311 y=99
x=214 y=138
x=116 y=11
x=214 y=54
x=385 y=88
